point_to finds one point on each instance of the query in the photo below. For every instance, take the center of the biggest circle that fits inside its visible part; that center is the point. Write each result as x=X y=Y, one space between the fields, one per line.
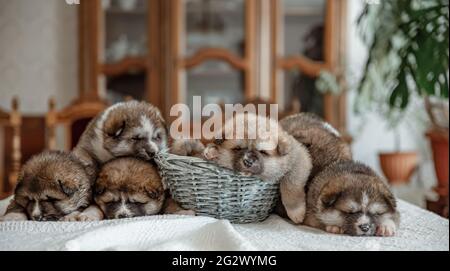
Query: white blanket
x=419 y=230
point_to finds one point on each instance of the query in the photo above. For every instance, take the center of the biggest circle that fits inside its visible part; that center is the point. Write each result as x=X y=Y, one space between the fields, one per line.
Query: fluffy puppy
x=125 y=129
x=51 y=186
x=128 y=187
x=349 y=198
x=323 y=142
x=275 y=156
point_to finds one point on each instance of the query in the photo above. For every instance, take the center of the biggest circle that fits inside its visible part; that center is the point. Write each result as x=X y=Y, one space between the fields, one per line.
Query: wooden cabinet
x=166 y=51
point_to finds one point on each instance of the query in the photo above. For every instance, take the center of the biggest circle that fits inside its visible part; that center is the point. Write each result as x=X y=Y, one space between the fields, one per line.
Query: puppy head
x=127 y=187
x=356 y=200
x=251 y=152
x=133 y=129
x=52 y=185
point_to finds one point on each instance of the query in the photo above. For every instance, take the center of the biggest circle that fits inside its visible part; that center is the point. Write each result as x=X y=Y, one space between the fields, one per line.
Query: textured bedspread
x=419 y=230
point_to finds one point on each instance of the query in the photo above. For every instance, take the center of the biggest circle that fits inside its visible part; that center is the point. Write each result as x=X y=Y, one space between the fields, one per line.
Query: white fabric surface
x=419 y=230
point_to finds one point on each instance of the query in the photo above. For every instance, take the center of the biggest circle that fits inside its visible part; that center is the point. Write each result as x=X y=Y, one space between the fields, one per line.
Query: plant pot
x=439 y=146
x=398 y=167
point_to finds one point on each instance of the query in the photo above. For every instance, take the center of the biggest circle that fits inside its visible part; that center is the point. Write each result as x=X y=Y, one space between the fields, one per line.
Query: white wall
x=370 y=132
x=38 y=53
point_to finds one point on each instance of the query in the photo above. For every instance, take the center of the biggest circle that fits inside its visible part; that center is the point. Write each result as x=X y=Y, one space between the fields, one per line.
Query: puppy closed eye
x=52 y=199
x=157 y=137
x=265 y=153
x=137 y=138
x=238 y=148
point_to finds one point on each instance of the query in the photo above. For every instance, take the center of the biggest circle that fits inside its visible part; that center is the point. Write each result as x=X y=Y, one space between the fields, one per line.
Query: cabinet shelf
x=118 y=11
x=126 y=65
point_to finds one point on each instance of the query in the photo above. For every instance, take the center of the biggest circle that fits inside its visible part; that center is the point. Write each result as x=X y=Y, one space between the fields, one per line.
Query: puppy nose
x=150 y=153
x=248 y=162
x=249 y=159
x=364 y=227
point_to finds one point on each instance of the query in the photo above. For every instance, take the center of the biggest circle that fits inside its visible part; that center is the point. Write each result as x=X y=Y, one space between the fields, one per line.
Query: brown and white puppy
x=125 y=129
x=128 y=187
x=323 y=142
x=273 y=157
x=350 y=198
x=51 y=186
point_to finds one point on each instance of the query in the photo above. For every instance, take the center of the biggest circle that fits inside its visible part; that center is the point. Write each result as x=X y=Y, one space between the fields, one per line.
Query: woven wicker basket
x=214 y=191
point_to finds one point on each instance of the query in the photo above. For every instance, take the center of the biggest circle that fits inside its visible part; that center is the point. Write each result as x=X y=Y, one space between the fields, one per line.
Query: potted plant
x=408 y=57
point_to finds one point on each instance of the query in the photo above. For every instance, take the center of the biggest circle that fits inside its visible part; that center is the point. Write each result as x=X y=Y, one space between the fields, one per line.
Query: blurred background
x=376 y=70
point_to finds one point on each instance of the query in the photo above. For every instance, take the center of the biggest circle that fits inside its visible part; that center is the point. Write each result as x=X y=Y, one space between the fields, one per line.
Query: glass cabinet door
x=214 y=24
x=302 y=35
x=213 y=50
x=125 y=48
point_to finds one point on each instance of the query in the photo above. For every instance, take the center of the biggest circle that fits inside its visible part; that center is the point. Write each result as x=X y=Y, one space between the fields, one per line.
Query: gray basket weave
x=214 y=191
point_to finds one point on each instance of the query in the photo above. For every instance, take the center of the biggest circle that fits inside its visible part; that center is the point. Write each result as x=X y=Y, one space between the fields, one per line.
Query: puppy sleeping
x=51 y=186
x=125 y=129
x=131 y=128
x=349 y=198
x=276 y=157
x=129 y=187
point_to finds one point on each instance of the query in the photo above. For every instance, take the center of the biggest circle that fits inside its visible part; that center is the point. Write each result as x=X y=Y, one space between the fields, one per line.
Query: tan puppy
x=51 y=186
x=275 y=156
x=323 y=142
x=349 y=198
x=129 y=187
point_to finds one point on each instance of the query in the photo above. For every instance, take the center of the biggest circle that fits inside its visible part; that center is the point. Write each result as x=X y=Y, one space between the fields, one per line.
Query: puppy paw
x=297 y=215
x=334 y=229
x=80 y=217
x=211 y=153
x=386 y=229
x=13 y=217
x=185 y=212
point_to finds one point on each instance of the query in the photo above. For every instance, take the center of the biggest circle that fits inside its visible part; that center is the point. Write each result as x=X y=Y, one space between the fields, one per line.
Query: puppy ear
x=69 y=191
x=98 y=190
x=153 y=193
x=330 y=199
x=389 y=198
x=219 y=141
x=283 y=145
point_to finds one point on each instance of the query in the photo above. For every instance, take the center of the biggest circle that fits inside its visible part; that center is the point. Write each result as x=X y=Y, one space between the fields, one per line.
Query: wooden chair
x=13 y=121
x=74 y=118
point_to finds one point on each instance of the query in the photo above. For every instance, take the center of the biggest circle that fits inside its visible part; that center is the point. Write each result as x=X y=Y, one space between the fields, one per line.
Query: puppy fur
x=350 y=198
x=125 y=129
x=323 y=142
x=187 y=147
x=273 y=158
x=130 y=128
x=51 y=186
x=128 y=187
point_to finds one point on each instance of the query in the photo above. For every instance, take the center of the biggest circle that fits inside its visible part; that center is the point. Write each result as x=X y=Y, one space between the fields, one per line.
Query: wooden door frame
x=180 y=63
